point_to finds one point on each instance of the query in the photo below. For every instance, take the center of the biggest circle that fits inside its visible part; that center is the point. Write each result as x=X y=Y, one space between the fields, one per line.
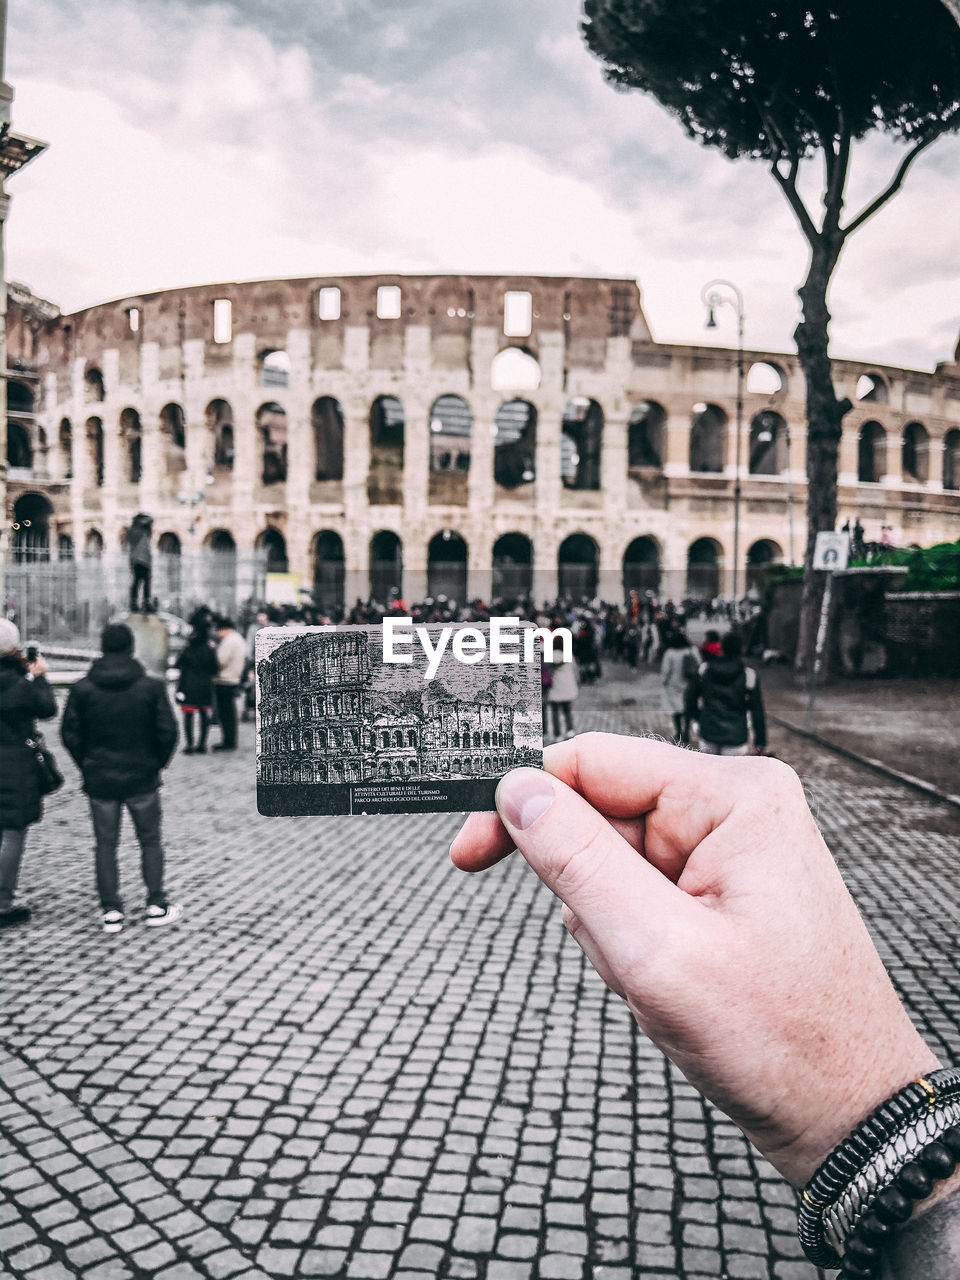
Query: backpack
x=690 y=667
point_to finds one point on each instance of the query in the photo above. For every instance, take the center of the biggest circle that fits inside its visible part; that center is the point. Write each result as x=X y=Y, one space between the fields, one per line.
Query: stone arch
x=451 y=429
x=272 y=541
x=65 y=441
x=20 y=398
x=951 y=459
x=169 y=568
x=581 y=443
x=274 y=368
x=447 y=566
x=328 y=571
x=515 y=369
x=871 y=453
x=220 y=570
x=65 y=547
x=387 y=428
x=271 y=420
x=767 y=444
x=94 y=434
x=327 y=425
x=386 y=566
x=708 y=430
x=767 y=378
x=646 y=434
x=578 y=563
x=93 y=544
x=94 y=389
x=19 y=448
x=641 y=566
x=173 y=432
x=915 y=453
x=704 y=561
x=30 y=542
x=512 y=566
x=872 y=388
x=763 y=552
x=131 y=436
x=218 y=417
x=515 y=444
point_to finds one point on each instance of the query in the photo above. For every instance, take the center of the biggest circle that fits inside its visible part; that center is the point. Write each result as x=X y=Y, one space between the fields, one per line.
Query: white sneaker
x=113 y=921
x=157 y=916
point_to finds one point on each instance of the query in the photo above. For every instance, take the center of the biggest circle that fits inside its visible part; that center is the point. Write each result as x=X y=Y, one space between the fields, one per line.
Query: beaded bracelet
x=876 y=1147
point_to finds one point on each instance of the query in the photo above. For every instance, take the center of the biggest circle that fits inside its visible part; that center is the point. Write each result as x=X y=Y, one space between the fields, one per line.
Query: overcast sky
x=230 y=141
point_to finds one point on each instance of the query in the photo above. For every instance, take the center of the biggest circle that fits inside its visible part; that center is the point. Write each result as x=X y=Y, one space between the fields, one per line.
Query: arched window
x=577 y=564
x=275 y=369
x=951 y=459
x=95 y=450
x=514 y=369
x=512 y=567
x=398 y=737
x=93 y=544
x=66 y=448
x=220 y=570
x=31 y=528
x=872 y=388
x=65 y=548
x=915 y=459
x=641 y=566
x=169 y=566
x=272 y=432
x=761 y=554
x=327 y=419
x=581 y=442
x=451 y=426
x=19 y=450
x=385 y=477
x=871 y=453
x=646 y=434
x=703 y=569
x=767 y=440
x=275 y=544
x=386 y=566
x=94 y=391
x=328 y=572
x=766 y=378
x=131 y=434
x=447 y=566
x=173 y=430
x=411 y=737
x=707 y=431
x=515 y=444
x=19 y=398
x=219 y=423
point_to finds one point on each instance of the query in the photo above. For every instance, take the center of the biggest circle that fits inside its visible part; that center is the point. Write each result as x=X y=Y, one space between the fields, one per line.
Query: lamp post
x=724 y=293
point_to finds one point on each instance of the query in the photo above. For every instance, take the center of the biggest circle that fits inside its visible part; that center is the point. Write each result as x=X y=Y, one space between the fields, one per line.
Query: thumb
x=622 y=902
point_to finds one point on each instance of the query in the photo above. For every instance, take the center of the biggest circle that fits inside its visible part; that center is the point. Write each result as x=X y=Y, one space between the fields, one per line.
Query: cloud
x=203 y=141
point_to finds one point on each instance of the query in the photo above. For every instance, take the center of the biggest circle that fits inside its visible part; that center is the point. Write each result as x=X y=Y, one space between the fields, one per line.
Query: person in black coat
x=198 y=665
x=120 y=729
x=25 y=697
x=724 y=698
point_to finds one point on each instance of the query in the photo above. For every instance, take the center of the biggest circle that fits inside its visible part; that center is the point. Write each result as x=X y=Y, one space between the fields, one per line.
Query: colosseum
x=442 y=434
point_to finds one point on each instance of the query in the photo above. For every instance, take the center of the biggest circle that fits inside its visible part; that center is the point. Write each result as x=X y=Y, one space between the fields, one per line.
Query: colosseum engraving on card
x=339 y=730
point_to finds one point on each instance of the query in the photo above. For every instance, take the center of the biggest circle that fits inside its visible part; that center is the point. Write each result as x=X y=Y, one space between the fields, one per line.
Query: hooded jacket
x=22 y=702
x=119 y=727
x=721 y=696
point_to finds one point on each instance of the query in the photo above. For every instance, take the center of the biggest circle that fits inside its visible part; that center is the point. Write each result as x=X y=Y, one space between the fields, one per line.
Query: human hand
x=38 y=667
x=702 y=892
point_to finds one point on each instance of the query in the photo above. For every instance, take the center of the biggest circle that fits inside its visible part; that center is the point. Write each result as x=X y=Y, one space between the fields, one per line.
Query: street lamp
x=724 y=293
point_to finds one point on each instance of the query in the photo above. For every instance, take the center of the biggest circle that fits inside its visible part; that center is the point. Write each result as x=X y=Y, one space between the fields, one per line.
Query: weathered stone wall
x=591 y=340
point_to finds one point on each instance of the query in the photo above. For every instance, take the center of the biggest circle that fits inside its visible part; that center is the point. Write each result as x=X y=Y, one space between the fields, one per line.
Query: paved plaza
x=349 y=1059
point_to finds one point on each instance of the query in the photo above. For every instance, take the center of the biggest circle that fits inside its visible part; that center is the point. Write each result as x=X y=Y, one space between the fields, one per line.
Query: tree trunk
x=824 y=427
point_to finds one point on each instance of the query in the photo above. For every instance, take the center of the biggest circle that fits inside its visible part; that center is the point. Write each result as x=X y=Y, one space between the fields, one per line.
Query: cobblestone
x=362 y=1063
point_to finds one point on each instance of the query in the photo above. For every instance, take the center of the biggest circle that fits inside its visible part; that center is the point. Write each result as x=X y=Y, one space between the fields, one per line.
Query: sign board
x=832 y=551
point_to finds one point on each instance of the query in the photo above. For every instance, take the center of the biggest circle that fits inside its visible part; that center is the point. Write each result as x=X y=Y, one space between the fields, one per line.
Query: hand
x=702 y=892
x=38 y=667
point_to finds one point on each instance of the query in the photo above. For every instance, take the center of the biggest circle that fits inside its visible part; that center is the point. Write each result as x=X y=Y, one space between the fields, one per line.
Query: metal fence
x=68 y=601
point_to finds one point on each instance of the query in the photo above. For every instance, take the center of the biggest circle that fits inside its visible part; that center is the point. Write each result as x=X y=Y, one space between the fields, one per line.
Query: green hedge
x=934 y=568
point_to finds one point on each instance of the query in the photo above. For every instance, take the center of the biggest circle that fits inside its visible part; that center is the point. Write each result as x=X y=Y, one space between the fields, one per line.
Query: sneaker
x=157 y=915
x=14 y=915
x=113 y=921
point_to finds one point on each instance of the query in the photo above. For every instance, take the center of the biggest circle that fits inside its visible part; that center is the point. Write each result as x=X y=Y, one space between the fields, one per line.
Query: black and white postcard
x=340 y=729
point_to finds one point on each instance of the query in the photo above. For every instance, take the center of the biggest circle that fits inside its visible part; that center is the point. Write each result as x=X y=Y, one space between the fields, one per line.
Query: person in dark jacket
x=721 y=696
x=25 y=697
x=138 y=548
x=119 y=727
x=198 y=665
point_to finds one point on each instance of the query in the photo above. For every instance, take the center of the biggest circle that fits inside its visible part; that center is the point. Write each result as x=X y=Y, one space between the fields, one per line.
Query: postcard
x=420 y=720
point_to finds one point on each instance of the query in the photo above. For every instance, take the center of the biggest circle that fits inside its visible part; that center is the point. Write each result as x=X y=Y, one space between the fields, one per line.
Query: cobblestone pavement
x=348 y=1059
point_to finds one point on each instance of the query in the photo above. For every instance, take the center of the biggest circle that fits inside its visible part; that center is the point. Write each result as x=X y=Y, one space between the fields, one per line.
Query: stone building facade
x=448 y=434
x=322 y=720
